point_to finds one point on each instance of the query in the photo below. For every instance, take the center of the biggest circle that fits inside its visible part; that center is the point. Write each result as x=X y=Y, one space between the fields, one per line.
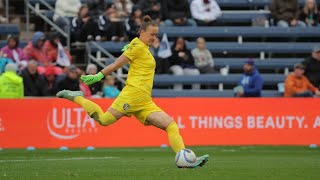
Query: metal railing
x=64 y=32
x=99 y=60
x=7 y=10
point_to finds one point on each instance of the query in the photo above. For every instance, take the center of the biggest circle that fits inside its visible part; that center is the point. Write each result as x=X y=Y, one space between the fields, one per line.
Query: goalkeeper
x=135 y=98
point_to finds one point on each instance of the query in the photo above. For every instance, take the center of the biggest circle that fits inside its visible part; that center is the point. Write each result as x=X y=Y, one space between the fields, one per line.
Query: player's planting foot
x=200 y=161
x=70 y=95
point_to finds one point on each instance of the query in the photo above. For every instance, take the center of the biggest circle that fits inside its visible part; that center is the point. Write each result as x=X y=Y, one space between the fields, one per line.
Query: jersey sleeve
x=132 y=52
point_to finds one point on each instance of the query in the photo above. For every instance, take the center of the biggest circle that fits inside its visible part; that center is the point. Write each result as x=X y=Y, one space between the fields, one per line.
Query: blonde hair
x=146 y=21
x=314 y=10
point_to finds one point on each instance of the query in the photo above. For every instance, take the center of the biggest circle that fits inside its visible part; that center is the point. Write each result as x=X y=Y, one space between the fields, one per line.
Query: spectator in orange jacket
x=51 y=48
x=298 y=85
x=35 y=49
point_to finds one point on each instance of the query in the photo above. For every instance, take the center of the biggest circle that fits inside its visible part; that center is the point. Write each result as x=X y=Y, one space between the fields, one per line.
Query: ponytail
x=146 y=21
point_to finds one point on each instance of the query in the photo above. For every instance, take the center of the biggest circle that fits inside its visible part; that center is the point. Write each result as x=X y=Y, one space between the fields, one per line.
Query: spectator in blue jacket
x=3 y=62
x=109 y=88
x=251 y=82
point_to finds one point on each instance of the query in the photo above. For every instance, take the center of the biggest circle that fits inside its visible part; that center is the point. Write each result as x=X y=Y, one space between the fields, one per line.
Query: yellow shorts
x=133 y=101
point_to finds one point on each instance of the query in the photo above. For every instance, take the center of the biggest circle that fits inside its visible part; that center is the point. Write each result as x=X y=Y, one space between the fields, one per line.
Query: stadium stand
x=222 y=3
x=34 y=2
x=242 y=17
x=213 y=79
x=205 y=93
x=240 y=31
x=237 y=63
x=273 y=63
x=221 y=41
x=22 y=44
x=6 y=29
x=226 y=17
x=229 y=47
x=247 y=3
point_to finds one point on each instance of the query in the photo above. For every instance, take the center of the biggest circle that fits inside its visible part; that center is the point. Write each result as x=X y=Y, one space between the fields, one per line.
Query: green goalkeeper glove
x=91 y=79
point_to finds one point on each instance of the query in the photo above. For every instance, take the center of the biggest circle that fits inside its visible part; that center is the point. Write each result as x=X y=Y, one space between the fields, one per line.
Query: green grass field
x=158 y=163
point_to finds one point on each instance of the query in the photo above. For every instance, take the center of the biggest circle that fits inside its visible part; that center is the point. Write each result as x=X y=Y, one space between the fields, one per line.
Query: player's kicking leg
x=93 y=110
x=165 y=122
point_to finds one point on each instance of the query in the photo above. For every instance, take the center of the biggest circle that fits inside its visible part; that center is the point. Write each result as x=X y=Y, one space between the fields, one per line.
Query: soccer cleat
x=70 y=95
x=200 y=161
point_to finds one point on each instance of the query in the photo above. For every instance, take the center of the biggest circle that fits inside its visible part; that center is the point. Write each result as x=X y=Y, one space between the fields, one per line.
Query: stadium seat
x=205 y=93
x=242 y=17
x=50 y=2
x=49 y=14
x=239 y=31
x=229 y=47
x=6 y=29
x=247 y=3
x=22 y=44
x=274 y=63
x=213 y=79
x=237 y=63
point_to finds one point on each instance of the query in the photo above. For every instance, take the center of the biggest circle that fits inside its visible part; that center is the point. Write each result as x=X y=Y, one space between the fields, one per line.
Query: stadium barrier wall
x=51 y=123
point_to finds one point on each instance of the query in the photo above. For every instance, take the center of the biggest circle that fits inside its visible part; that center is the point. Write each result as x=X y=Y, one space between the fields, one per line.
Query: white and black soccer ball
x=185 y=158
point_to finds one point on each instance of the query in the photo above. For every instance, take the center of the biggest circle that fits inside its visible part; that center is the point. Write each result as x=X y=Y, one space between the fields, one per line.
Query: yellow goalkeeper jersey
x=142 y=65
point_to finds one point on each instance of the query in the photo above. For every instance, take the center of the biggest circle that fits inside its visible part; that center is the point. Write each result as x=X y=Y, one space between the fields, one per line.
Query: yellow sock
x=95 y=111
x=175 y=139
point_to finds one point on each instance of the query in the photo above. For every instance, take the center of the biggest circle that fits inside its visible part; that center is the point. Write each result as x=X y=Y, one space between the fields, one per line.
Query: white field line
x=56 y=159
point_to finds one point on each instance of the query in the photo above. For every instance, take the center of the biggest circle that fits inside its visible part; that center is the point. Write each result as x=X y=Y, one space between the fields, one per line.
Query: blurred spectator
x=52 y=46
x=251 y=83
x=162 y=65
x=34 y=83
x=51 y=76
x=2 y=18
x=36 y=50
x=109 y=88
x=11 y=85
x=297 y=85
x=182 y=62
x=123 y=8
x=286 y=13
x=177 y=12
x=96 y=88
x=310 y=13
x=133 y=23
x=205 y=12
x=70 y=81
x=3 y=62
x=96 y=7
x=12 y=51
x=84 y=27
x=151 y=8
x=65 y=10
x=110 y=25
x=312 y=67
x=202 y=57
x=83 y=86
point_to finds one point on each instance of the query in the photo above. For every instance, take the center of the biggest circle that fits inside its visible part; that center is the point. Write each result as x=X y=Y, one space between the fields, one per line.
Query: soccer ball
x=185 y=158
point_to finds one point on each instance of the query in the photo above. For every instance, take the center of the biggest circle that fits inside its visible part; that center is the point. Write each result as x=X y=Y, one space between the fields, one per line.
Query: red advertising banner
x=51 y=123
